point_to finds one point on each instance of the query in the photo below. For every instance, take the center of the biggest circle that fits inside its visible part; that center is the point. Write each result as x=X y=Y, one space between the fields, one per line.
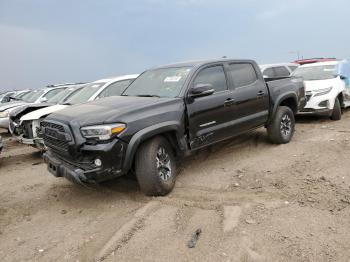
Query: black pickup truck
x=166 y=113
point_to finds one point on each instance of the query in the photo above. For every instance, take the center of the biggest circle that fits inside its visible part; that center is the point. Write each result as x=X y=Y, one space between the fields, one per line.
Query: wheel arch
x=341 y=99
x=171 y=130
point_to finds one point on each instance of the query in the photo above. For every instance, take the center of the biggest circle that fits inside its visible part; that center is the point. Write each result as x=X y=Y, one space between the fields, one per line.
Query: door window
x=242 y=74
x=215 y=76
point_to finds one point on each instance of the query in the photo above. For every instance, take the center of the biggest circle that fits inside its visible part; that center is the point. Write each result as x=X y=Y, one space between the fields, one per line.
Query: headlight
x=102 y=132
x=4 y=114
x=324 y=91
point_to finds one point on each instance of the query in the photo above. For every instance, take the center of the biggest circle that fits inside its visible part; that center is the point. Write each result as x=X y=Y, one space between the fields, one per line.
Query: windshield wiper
x=67 y=104
x=146 y=95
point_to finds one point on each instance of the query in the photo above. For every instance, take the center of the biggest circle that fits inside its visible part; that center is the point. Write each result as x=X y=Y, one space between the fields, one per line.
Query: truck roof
x=198 y=63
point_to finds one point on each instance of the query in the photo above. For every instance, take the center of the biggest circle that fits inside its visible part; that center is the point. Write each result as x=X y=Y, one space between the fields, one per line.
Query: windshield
x=60 y=96
x=163 y=82
x=84 y=94
x=22 y=94
x=27 y=95
x=33 y=96
x=316 y=72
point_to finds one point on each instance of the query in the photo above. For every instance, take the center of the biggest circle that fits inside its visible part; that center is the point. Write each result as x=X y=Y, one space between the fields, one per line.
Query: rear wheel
x=336 y=113
x=155 y=167
x=281 y=128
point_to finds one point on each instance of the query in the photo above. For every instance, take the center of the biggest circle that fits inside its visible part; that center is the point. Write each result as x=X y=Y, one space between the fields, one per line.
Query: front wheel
x=155 y=167
x=281 y=128
x=336 y=113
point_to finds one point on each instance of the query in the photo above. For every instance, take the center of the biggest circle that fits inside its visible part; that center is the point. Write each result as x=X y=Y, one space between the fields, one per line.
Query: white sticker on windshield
x=172 y=79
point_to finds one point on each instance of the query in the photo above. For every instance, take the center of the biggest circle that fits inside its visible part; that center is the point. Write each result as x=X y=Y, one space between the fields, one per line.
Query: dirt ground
x=252 y=201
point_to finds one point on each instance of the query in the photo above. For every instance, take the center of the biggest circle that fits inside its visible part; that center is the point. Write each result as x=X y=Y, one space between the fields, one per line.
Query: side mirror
x=43 y=100
x=202 y=90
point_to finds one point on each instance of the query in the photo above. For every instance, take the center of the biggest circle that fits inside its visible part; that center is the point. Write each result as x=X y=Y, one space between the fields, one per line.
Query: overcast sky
x=53 y=41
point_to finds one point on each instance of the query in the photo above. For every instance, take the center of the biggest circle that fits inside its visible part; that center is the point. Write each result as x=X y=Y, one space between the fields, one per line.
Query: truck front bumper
x=110 y=156
x=76 y=175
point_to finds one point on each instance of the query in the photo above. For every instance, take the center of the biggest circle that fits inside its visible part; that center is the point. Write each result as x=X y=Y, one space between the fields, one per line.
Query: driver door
x=208 y=115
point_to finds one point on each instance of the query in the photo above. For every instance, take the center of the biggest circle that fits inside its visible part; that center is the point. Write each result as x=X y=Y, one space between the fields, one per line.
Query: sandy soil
x=253 y=201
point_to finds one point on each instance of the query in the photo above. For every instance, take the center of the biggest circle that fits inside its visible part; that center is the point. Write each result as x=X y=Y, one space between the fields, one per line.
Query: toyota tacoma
x=165 y=114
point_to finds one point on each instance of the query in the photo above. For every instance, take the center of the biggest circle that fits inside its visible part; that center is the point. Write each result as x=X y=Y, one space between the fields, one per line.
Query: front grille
x=56 y=144
x=52 y=125
x=54 y=136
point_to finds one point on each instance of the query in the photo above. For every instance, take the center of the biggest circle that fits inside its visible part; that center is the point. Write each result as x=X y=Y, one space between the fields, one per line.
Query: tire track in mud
x=123 y=235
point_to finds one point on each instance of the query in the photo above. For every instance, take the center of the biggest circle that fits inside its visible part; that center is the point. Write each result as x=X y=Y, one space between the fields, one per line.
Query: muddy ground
x=252 y=201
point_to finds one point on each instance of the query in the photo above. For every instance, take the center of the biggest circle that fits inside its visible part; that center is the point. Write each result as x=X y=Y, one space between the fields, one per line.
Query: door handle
x=260 y=93
x=229 y=102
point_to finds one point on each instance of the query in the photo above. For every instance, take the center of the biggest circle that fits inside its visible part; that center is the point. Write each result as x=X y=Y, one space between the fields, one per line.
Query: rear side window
x=281 y=71
x=215 y=76
x=242 y=74
x=115 y=89
x=269 y=73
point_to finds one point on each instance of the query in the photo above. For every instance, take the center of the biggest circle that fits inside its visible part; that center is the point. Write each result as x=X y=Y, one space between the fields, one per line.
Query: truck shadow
x=247 y=141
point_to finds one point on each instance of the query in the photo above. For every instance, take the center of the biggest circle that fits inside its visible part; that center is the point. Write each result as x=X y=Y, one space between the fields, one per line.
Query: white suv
x=327 y=86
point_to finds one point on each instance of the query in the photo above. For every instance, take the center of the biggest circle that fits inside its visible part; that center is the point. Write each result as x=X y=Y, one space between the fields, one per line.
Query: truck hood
x=120 y=109
x=9 y=105
x=37 y=114
x=320 y=84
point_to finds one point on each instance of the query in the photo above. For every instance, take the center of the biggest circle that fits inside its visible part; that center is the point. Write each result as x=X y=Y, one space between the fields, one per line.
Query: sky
x=57 y=41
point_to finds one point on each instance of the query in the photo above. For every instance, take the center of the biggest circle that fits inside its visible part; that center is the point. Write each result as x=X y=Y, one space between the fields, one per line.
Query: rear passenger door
x=251 y=97
x=208 y=115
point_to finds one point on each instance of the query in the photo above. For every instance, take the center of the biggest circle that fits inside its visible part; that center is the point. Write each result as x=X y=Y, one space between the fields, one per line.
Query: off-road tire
x=336 y=113
x=148 y=173
x=276 y=129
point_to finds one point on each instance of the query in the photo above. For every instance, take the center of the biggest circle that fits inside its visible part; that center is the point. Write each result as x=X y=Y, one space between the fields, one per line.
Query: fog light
x=98 y=162
x=323 y=104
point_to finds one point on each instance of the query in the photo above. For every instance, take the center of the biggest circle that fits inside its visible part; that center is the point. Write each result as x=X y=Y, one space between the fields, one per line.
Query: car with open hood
x=26 y=126
x=60 y=98
x=35 y=97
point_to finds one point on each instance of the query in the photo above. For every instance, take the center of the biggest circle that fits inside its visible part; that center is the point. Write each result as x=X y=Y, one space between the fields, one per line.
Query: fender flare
x=149 y=132
x=281 y=98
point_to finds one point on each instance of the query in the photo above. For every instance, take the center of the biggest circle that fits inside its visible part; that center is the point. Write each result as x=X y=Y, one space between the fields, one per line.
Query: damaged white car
x=327 y=86
x=27 y=128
